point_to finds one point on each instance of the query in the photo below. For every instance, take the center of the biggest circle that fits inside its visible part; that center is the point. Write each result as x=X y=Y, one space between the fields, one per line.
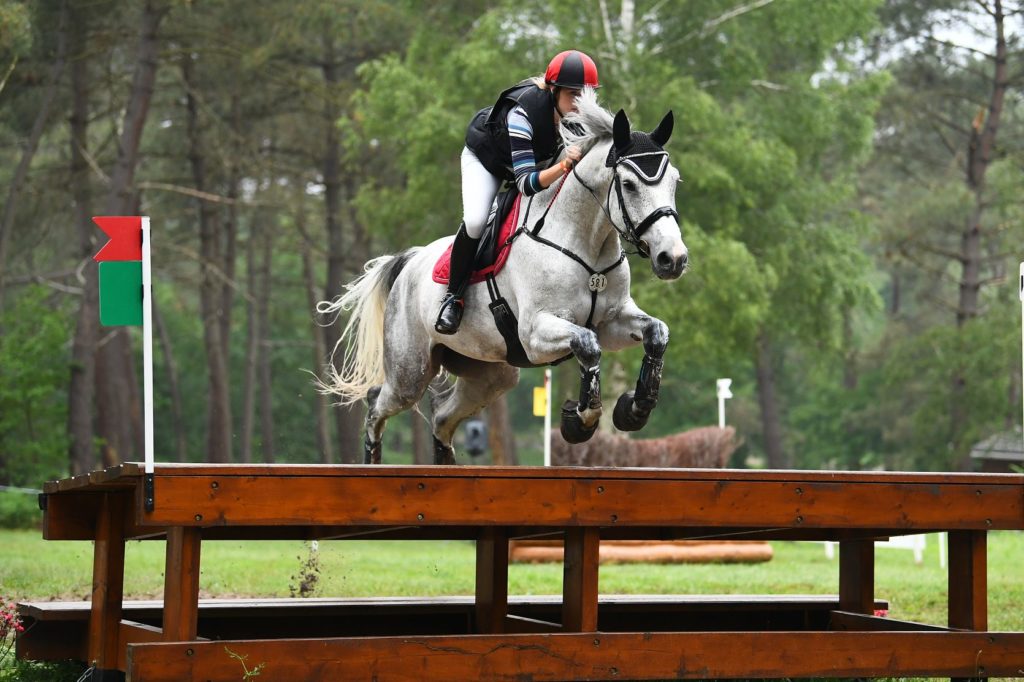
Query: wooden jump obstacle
x=492 y=635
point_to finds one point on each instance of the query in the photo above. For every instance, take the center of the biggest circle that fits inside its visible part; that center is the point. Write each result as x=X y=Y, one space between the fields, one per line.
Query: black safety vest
x=487 y=135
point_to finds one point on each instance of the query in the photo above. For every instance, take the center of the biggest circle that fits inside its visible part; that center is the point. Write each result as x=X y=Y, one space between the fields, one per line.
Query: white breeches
x=479 y=188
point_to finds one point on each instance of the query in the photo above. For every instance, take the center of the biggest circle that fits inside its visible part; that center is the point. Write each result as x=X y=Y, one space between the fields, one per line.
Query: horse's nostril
x=684 y=260
x=664 y=260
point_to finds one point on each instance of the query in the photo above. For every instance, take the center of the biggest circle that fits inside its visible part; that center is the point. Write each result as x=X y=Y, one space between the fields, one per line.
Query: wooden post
x=968 y=580
x=857 y=576
x=579 y=579
x=491 y=580
x=107 y=585
x=181 y=584
x=968 y=584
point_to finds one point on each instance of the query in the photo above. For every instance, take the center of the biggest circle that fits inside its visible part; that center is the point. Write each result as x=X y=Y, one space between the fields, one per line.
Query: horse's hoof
x=623 y=416
x=443 y=454
x=573 y=430
x=371 y=452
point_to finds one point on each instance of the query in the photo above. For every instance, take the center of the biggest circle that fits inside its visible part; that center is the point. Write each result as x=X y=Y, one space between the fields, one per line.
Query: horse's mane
x=590 y=124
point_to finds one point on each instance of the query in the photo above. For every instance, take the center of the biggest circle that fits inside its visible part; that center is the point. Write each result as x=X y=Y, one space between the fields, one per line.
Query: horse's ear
x=620 y=130
x=664 y=129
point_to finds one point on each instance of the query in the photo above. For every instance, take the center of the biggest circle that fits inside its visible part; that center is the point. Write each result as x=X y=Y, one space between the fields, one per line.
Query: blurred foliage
x=33 y=385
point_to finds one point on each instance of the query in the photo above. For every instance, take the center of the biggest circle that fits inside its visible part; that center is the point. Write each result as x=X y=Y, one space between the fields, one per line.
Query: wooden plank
x=846 y=620
x=107 y=583
x=579 y=579
x=130 y=469
x=491 y=580
x=421 y=501
x=857 y=575
x=181 y=584
x=968 y=580
x=600 y=656
x=131 y=632
x=54 y=640
x=522 y=624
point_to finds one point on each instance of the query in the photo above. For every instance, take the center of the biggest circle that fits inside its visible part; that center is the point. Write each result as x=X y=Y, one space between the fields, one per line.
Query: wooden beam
x=491 y=580
x=592 y=656
x=107 y=582
x=181 y=584
x=857 y=576
x=579 y=579
x=422 y=501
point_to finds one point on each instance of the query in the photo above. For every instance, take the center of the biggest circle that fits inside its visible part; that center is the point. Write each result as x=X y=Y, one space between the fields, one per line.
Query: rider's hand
x=573 y=153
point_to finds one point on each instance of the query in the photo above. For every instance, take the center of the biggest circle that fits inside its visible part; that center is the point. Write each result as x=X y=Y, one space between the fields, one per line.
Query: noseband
x=641 y=164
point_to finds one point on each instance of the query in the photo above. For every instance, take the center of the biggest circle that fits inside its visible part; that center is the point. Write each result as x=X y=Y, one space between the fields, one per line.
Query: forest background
x=851 y=201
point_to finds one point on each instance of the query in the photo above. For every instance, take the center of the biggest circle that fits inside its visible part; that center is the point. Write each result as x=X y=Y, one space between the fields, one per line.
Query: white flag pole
x=147 y=358
x=547 y=417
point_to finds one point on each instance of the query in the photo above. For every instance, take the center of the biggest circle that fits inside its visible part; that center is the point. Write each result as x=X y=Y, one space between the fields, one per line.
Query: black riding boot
x=463 y=255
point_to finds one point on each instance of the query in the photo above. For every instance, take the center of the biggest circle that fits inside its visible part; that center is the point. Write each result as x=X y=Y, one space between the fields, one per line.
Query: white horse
x=568 y=286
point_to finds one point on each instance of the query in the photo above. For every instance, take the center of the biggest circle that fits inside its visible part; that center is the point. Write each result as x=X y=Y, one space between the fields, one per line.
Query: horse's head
x=640 y=180
x=644 y=189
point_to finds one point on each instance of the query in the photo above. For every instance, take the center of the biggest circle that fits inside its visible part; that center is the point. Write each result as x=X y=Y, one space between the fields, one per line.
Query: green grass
x=32 y=569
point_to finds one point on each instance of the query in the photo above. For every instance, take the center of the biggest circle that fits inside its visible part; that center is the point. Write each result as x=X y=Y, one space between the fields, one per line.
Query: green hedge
x=19 y=510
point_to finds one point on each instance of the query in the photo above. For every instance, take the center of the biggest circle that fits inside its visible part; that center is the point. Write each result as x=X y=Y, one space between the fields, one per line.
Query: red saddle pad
x=442 y=267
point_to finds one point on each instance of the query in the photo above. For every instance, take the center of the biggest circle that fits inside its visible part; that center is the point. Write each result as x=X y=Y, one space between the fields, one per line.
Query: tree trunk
x=81 y=389
x=211 y=300
x=500 y=437
x=323 y=427
x=231 y=233
x=979 y=157
x=252 y=342
x=32 y=144
x=118 y=416
x=349 y=419
x=266 y=389
x=171 y=369
x=767 y=397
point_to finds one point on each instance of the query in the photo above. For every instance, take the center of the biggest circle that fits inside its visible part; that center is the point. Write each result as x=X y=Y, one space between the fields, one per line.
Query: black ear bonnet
x=644 y=156
x=644 y=153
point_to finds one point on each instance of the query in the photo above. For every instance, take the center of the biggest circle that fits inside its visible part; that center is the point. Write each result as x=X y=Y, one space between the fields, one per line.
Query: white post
x=723 y=393
x=147 y=345
x=547 y=417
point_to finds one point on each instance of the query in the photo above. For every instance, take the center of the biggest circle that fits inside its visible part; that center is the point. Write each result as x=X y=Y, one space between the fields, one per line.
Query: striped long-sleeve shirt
x=524 y=165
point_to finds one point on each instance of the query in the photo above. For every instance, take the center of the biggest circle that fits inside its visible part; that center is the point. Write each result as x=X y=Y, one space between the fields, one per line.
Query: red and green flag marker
x=125 y=277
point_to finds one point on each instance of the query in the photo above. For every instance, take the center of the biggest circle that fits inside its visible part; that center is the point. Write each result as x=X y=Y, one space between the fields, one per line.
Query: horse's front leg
x=549 y=337
x=634 y=407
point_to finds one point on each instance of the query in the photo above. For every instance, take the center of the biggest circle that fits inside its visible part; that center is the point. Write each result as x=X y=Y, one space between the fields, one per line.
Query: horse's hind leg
x=408 y=375
x=479 y=383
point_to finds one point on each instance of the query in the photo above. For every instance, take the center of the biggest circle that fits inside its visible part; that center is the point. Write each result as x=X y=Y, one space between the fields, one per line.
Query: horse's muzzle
x=670 y=265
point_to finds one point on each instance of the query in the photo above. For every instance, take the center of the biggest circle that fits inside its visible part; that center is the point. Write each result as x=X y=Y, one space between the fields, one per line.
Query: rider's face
x=567 y=100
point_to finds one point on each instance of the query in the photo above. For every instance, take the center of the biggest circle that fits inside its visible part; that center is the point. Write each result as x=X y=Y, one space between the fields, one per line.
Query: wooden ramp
x=494 y=636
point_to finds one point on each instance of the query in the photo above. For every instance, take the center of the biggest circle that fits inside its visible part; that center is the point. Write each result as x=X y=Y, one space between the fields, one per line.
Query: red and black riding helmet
x=572 y=69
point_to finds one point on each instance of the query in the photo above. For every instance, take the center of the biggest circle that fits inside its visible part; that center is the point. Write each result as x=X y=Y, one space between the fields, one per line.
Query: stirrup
x=450 y=316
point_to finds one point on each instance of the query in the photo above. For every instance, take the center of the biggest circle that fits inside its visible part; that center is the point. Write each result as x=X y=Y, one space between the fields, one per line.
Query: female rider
x=515 y=140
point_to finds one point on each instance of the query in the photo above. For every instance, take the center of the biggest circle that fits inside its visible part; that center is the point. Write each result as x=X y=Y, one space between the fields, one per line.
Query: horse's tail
x=362 y=366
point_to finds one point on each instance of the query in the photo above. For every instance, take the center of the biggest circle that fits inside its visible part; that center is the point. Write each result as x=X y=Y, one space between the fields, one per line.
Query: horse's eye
x=629 y=185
